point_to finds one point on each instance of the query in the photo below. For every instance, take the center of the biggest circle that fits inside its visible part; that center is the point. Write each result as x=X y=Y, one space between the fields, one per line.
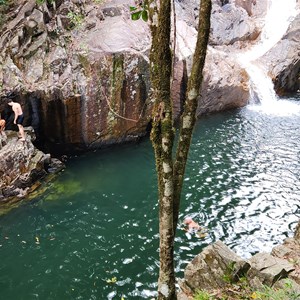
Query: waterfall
x=279 y=15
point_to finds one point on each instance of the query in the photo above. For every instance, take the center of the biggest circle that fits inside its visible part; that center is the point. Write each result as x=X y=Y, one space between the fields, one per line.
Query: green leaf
x=145 y=15
x=135 y=16
x=132 y=8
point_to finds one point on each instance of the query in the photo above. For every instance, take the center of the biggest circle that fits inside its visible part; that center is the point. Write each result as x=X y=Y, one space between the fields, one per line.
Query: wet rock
x=54 y=165
x=22 y=165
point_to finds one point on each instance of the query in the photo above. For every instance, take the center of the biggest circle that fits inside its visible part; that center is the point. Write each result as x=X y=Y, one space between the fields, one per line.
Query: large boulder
x=22 y=166
x=267 y=269
x=216 y=268
x=231 y=24
x=211 y=268
x=225 y=85
x=290 y=250
x=283 y=60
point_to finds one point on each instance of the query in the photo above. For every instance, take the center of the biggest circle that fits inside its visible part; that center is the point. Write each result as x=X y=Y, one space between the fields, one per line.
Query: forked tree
x=170 y=170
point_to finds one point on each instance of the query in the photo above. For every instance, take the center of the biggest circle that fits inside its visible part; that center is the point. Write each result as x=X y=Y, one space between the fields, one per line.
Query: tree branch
x=188 y=117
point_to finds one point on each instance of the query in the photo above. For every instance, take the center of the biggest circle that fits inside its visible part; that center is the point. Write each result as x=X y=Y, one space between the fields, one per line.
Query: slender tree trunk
x=188 y=117
x=162 y=136
x=170 y=175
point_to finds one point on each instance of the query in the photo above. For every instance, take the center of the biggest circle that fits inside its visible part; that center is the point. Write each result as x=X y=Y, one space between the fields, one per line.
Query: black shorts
x=20 y=119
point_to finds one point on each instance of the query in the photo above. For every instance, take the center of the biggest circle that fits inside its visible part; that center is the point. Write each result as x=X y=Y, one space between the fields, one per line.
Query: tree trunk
x=188 y=117
x=170 y=175
x=162 y=136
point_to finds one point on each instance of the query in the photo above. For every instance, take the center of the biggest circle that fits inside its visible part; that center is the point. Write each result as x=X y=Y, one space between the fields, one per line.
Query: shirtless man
x=19 y=117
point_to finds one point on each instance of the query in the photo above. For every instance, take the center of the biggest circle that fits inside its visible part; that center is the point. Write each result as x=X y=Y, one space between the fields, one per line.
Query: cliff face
x=80 y=69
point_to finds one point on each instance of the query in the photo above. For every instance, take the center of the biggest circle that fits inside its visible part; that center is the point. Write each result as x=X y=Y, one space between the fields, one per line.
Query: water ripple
x=94 y=233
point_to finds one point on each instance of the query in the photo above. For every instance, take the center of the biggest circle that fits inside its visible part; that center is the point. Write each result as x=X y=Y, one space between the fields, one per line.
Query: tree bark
x=162 y=136
x=170 y=174
x=188 y=117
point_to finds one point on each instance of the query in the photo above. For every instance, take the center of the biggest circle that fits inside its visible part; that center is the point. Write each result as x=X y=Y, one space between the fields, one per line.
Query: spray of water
x=279 y=16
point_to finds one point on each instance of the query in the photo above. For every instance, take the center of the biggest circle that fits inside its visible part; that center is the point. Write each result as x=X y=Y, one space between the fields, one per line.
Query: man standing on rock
x=18 y=118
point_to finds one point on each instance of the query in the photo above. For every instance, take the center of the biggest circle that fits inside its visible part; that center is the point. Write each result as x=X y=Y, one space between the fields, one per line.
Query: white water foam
x=279 y=16
x=281 y=108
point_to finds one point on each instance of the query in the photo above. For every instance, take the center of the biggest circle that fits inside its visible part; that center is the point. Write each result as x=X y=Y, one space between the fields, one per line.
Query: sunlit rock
x=81 y=68
x=225 y=86
x=217 y=267
x=209 y=268
x=231 y=24
x=283 y=60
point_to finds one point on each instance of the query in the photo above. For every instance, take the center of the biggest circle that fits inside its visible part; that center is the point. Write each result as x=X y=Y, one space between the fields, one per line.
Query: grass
x=4 y=6
x=243 y=291
x=203 y=295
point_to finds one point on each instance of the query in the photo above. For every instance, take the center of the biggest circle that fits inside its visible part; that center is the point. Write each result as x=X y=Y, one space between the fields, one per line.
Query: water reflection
x=93 y=234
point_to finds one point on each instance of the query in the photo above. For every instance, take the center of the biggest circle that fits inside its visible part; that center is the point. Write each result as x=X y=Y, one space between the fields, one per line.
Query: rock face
x=231 y=23
x=82 y=84
x=283 y=60
x=81 y=68
x=223 y=92
x=217 y=266
x=22 y=166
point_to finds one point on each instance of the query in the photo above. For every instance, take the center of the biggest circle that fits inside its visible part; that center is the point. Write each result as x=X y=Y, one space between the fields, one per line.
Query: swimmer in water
x=192 y=226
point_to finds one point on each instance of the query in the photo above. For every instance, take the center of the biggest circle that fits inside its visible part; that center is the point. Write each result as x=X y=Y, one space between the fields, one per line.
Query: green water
x=98 y=220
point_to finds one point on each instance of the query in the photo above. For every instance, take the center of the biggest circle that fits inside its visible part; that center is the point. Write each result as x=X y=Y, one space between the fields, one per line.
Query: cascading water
x=277 y=20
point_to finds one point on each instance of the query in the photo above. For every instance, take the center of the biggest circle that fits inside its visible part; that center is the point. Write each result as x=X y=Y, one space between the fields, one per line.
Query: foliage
x=140 y=11
x=285 y=293
x=76 y=19
x=243 y=290
x=40 y=2
x=202 y=295
x=228 y=277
